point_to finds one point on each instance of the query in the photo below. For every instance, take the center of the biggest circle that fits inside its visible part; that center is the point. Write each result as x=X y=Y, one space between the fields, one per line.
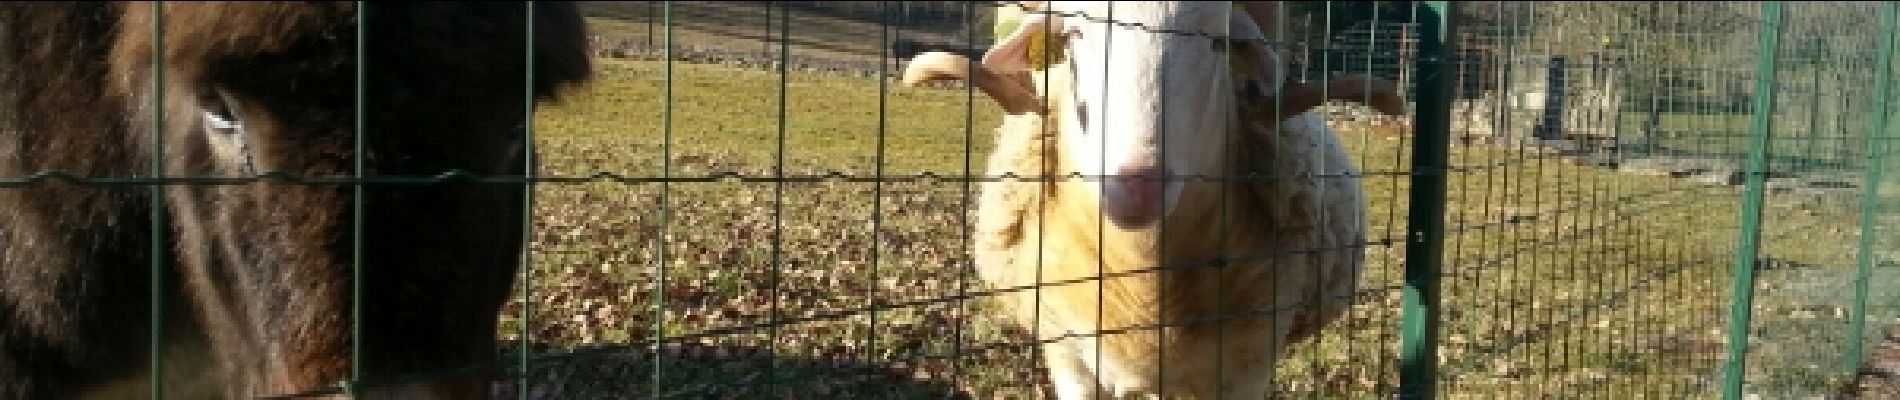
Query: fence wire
x=1602 y=200
x=1594 y=200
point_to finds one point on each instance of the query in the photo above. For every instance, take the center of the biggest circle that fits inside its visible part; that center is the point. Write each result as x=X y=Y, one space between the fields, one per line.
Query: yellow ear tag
x=1039 y=58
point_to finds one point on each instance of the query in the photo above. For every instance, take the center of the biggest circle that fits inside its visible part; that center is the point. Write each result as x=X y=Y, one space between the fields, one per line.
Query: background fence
x=1603 y=233
x=1603 y=200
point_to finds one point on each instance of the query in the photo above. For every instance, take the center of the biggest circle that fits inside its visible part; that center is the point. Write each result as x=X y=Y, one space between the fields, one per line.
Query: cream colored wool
x=1030 y=234
x=1293 y=247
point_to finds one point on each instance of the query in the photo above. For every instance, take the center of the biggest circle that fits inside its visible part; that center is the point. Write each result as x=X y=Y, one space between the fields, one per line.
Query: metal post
x=1652 y=124
x=359 y=212
x=1808 y=158
x=1424 y=244
x=1748 y=246
x=158 y=226
x=765 y=38
x=526 y=282
x=656 y=374
x=1870 y=200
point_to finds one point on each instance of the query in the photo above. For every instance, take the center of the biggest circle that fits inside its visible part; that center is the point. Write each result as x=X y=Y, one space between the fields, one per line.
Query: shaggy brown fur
x=258 y=277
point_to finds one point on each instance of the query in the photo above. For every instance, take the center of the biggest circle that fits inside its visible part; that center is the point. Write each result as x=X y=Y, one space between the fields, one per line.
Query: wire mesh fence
x=1584 y=199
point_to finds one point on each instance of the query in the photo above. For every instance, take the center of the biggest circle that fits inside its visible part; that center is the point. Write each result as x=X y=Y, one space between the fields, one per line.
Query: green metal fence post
x=528 y=161
x=158 y=227
x=1425 y=239
x=1747 y=246
x=1870 y=199
x=357 y=212
x=654 y=389
x=1808 y=160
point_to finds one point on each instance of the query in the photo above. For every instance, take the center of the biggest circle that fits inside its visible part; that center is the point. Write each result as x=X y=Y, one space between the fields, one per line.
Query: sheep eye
x=1081 y=107
x=1251 y=89
x=1082 y=113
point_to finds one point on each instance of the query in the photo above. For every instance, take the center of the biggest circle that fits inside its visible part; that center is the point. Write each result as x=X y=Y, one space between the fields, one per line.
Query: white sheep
x=1093 y=249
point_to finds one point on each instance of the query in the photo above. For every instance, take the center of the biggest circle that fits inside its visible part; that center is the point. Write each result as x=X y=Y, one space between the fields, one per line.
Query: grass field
x=1798 y=146
x=1562 y=281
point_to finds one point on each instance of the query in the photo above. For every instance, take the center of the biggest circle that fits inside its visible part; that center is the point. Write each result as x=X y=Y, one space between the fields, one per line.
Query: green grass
x=1564 y=280
x=1799 y=144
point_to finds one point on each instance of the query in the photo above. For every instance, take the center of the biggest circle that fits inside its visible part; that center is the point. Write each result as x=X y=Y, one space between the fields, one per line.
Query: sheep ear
x=1258 y=63
x=1021 y=45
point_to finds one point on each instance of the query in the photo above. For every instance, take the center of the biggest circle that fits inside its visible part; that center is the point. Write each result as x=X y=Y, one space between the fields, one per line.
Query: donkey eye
x=217 y=111
x=224 y=121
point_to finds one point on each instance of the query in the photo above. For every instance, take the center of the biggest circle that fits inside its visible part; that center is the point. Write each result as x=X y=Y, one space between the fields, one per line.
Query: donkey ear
x=1022 y=44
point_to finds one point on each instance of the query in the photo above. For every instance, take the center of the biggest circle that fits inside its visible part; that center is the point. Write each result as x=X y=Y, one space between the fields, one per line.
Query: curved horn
x=1298 y=97
x=1294 y=97
x=1014 y=95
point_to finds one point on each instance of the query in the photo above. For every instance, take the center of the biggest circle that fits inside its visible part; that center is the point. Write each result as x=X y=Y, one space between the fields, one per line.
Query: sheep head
x=1018 y=94
x=1141 y=105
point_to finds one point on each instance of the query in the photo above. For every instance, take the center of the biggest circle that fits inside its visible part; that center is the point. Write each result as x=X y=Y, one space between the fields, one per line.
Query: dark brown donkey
x=257 y=279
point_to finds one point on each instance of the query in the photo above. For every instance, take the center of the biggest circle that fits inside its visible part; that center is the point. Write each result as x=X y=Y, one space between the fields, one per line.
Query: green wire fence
x=1588 y=200
x=1595 y=199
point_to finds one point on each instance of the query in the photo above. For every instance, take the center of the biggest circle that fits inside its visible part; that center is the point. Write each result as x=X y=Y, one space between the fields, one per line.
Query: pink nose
x=1132 y=197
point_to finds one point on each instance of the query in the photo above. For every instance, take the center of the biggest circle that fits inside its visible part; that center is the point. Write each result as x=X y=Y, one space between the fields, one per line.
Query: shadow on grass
x=712 y=372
